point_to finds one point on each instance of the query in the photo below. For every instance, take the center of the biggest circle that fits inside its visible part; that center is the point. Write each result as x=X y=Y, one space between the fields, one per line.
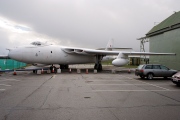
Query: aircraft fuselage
x=51 y=54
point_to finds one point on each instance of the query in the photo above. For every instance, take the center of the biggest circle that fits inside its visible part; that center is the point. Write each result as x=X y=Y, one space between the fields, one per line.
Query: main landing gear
x=53 y=69
x=64 y=66
x=98 y=65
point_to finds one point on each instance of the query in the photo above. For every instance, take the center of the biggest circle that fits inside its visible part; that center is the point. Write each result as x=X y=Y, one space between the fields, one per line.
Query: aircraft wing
x=124 y=48
x=101 y=52
x=105 y=52
x=146 y=53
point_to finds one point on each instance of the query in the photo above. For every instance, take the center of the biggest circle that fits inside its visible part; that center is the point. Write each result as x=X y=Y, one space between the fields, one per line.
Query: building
x=10 y=64
x=165 y=38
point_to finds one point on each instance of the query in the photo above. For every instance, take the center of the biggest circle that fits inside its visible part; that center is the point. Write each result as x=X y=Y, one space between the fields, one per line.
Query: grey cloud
x=90 y=23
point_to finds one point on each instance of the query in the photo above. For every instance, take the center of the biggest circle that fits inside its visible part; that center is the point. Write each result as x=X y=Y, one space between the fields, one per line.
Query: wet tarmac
x=101 y=96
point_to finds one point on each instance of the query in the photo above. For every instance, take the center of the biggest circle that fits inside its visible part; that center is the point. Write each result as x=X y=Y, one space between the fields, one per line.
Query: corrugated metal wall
x=10 y=64
x=166 y=42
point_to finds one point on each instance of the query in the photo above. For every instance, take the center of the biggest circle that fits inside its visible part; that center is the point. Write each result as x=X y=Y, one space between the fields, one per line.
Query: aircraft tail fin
x=109 y=45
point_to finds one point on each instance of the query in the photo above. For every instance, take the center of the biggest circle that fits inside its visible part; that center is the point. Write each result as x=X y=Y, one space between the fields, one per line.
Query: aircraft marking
x=2 y=89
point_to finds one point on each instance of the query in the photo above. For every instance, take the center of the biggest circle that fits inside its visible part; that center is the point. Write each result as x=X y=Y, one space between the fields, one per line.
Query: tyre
x=95 y=66
x=178 y=84
x=150 y=76
x=100 y=67
x=142 y=77
x=66 y=66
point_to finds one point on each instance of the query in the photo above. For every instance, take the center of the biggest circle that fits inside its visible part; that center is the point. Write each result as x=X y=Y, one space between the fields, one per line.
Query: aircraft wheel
x=34 y=71
x=100 y=67
x=55 y=69
x=66 y=66
x=61 y=66
x=51 y=68
x=95 y=66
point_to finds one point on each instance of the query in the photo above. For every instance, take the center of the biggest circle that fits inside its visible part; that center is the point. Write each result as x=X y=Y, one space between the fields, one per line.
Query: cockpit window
x=37 y=43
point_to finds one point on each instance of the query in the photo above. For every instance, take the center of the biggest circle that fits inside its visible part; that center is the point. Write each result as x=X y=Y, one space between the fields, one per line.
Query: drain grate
x=87 y=97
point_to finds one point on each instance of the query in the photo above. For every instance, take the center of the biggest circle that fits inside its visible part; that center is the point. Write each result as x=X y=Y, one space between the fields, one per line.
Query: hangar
x=165 y=37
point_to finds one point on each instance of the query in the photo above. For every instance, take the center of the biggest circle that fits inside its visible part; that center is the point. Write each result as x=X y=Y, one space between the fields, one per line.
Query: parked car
x=154 y=70
x=176 y=79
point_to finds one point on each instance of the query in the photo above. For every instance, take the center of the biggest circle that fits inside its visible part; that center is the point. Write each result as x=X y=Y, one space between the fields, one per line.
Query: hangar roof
x=170 y=23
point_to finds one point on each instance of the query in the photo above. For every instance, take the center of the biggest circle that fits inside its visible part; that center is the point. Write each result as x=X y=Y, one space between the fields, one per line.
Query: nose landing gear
x=53 y=69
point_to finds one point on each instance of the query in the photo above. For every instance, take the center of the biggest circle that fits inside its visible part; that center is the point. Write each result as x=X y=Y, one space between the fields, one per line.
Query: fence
x=10 y=64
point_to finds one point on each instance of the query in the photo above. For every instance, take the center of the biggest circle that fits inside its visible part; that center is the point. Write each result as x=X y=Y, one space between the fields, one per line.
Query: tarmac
x=93 y=96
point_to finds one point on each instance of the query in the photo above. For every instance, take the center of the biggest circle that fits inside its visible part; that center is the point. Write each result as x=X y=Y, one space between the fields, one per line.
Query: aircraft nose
x=15 y=54
x=11 y=54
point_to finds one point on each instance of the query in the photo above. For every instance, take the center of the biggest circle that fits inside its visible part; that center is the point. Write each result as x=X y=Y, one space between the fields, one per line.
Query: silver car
x=154 y=70
x=176 y=79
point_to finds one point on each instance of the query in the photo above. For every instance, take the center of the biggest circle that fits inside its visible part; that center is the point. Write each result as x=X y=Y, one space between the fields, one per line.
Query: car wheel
x=142 y=77
x=150 y=76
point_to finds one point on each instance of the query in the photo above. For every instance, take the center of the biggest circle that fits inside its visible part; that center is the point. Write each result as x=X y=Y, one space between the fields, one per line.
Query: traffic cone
x=42 y=71
x=53 y=70
x=129 y=71
x=69 y=70
x=86 y=71
x=14 y=72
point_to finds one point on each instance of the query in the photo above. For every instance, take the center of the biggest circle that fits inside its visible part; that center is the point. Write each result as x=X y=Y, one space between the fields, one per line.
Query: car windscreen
x=177 y=74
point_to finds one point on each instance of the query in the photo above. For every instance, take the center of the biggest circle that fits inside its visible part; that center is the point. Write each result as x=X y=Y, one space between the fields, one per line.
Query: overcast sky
x=80 y=23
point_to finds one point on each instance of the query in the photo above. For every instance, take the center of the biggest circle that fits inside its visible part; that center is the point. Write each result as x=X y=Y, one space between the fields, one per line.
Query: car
x=176 y=78
x=154 y=70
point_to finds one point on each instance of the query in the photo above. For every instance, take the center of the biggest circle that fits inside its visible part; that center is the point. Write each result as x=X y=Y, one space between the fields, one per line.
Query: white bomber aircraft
x=41 y=54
